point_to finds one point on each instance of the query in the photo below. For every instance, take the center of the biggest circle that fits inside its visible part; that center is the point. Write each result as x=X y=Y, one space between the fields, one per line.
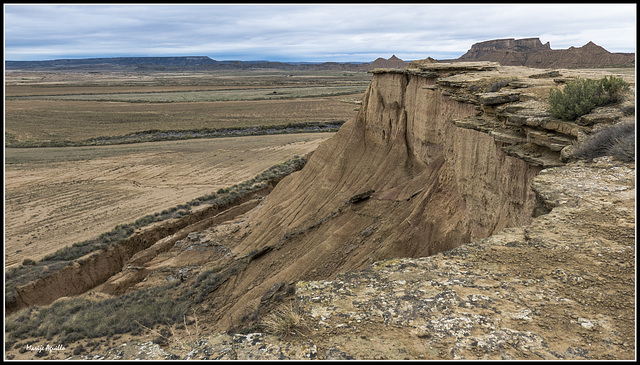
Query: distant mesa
x=198 y=63
x=531 y=52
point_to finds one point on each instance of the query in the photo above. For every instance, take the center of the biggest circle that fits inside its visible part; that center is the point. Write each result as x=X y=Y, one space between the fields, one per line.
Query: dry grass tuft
x=617 y=140
x=286 y=321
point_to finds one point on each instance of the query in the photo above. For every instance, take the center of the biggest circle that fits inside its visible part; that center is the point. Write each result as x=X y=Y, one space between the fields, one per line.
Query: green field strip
x=206 y=95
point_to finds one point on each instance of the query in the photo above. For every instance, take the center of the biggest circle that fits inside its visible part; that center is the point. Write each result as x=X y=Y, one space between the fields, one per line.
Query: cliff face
x=399 y=180
x=404 y=146
x=425 y=166
x=531 y=52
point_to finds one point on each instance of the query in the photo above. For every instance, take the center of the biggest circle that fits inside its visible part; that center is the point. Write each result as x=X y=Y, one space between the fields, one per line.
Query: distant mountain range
x=508 y=52
x=192 y=63
x=173 y=63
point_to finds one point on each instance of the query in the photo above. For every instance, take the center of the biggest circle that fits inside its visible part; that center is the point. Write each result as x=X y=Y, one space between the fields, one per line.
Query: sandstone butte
x=443 y=221
x=531 y=52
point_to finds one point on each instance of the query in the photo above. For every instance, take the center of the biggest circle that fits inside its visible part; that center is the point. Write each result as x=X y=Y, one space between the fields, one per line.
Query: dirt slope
x=562 y=288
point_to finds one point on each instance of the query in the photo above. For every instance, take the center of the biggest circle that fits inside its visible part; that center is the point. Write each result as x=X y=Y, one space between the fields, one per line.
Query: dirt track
x=53 y=200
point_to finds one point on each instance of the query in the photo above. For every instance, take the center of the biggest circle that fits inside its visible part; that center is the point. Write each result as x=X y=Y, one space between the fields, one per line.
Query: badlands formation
x=531 y=52
x=446 y=220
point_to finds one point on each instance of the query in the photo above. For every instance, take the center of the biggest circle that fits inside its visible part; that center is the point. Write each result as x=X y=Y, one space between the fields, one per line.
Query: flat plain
x=57 y=196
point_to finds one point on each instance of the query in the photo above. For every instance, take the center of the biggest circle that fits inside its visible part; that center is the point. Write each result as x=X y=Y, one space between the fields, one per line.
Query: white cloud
x=304 y=32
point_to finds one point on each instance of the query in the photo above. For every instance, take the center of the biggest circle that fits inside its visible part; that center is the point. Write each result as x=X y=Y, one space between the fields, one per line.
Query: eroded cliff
x=429 y=187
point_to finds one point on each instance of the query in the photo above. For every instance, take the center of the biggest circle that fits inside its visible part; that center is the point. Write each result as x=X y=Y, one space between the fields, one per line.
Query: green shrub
x=581 y=96
x=614 y=87
x=618 y=141
x=28 y=262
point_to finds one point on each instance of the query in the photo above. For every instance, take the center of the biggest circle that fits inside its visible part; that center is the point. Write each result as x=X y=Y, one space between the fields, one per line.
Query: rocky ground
x=562 y=287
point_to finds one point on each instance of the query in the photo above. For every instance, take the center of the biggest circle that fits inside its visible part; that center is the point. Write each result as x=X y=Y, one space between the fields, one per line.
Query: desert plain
x=60 y=189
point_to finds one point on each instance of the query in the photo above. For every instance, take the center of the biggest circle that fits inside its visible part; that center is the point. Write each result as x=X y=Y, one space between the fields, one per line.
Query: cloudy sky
x=318 y=32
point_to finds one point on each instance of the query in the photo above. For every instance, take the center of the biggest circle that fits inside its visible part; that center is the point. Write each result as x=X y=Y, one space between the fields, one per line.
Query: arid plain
x=57 y=196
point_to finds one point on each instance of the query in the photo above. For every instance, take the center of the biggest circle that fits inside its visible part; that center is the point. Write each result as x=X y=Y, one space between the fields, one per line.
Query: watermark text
x=48 y=348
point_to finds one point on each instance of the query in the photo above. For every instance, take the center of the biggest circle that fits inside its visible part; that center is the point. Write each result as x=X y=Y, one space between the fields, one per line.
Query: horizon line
x=200 y=56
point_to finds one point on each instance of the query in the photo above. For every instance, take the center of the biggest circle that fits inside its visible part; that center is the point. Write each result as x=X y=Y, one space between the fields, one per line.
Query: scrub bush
x=581 y=96
x=618 y=141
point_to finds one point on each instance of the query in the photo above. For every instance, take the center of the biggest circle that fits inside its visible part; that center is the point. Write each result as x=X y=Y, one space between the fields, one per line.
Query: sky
x=297 y=32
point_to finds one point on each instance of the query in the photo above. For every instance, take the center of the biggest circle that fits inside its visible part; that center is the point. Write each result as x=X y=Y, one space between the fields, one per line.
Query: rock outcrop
x=531 y=52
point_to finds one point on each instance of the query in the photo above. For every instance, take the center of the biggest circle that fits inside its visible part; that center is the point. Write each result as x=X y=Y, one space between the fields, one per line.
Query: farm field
x=205 y=95
x=92 y=106
x=57 y=196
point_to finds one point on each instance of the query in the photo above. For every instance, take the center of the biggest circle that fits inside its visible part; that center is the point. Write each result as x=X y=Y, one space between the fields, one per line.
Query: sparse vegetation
x=28 y=262
x=205 y=283
x=173 y=135
x=581 y=96
x=169 y=336
x=222 y=198
x=205 y=95
x=618 y=141
x=307 y=97
x=284 y=322
x=77 y=318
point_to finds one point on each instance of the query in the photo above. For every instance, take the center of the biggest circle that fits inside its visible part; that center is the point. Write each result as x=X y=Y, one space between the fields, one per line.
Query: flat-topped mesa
x=531 y=52
x=509 y=44
x=431 y=68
